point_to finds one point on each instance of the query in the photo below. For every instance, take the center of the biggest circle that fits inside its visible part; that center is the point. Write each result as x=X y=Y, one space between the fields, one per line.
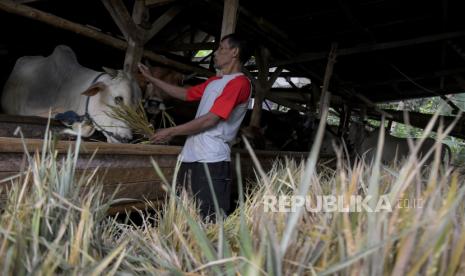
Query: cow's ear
x=94 y=89
x=112 y=72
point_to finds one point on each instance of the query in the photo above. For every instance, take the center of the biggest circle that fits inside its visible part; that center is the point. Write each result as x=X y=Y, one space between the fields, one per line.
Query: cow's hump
x=63 y=53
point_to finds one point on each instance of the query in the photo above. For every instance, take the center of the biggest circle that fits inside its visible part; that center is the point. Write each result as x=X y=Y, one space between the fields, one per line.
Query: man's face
x=224 y=54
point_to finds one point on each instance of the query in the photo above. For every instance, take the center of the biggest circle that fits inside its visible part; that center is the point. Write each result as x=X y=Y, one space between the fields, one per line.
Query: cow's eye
x=118 y=100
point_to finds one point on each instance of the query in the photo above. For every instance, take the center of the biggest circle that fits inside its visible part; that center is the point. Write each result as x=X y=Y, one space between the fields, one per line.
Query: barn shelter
x=385 y=50
x=356 y=53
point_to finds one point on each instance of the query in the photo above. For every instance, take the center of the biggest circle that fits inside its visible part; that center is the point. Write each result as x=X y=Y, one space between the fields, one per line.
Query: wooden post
x=344 y=120
x=133 y=56
x=135 y=44
x=229 y=17
x=262 y=84
x=130 y=28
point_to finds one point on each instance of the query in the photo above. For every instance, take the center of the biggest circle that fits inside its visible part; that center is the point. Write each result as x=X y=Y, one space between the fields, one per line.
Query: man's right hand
x=163 y=135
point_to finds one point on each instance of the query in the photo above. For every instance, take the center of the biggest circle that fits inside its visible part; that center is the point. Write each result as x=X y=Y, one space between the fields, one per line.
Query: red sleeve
x=195 y=93
x=235 y=92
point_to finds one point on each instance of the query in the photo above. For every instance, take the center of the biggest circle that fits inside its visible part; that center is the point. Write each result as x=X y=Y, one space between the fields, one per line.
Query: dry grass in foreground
x=50 y=227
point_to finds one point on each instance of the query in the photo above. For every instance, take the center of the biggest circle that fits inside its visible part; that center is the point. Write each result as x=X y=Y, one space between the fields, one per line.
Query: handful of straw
x=166 y=120
x=135 y=118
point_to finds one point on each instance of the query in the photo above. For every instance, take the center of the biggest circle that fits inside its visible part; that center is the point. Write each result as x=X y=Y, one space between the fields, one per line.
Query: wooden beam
x=274 y=77
x=33 y=120
x=162 y=21
x=229 y=17
x=419 y=77
x=61 y=23
x=156 y=3
x=289 y=81
x=291 y=90
x=123 y=20
x=287 y=75
x=140 y=13
x=285 y=102
x=259 y=28
x=265 y=25
x=307 y=57
x=408 y=94
x=26 y=11
x=177 y=65
x=186 y=46
x=295 y=96
x=32 y=145
x=25 y=1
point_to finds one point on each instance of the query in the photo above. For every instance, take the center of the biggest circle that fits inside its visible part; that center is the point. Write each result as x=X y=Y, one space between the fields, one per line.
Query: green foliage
x=333 y=119
x=203 y=53
x=428 y=106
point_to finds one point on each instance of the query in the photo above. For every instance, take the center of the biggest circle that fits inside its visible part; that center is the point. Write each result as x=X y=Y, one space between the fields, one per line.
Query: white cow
x=394 y=148
x=58 y=82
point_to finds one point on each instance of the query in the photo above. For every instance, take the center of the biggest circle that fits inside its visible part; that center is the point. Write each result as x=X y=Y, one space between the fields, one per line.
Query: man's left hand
x=163 y=135
x=145 y=71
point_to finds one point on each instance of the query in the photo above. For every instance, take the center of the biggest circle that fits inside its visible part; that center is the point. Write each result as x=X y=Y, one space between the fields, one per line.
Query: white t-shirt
x=227 y=97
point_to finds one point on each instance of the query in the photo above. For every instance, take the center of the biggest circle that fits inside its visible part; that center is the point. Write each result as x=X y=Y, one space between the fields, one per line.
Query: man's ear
x=236 y=52
x=94 y=89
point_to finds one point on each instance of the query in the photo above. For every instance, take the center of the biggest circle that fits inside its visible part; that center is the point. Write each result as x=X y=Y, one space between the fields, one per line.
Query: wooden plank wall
x=119 y=165
x=31 y=127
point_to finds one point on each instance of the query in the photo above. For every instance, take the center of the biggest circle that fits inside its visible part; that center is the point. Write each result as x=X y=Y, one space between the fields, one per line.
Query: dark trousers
x=193 y=177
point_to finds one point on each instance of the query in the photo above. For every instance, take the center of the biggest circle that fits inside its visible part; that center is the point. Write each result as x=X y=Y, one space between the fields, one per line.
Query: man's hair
x=236 y=41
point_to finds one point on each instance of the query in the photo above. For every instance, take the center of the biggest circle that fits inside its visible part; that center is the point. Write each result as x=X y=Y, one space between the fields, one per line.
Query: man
x=223 y=104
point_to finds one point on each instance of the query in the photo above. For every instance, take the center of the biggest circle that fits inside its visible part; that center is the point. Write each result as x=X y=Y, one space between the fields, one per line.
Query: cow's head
x=154 y=96
x=112 y=89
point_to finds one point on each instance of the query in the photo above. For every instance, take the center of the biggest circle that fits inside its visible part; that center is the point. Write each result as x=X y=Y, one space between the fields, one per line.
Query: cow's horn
x=112 y=72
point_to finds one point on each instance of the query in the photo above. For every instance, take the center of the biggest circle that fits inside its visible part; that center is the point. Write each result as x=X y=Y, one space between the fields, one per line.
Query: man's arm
x=172 y=90
x=195 y=126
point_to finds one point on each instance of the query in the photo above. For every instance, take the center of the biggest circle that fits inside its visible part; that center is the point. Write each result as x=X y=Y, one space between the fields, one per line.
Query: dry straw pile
x=52 y=227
